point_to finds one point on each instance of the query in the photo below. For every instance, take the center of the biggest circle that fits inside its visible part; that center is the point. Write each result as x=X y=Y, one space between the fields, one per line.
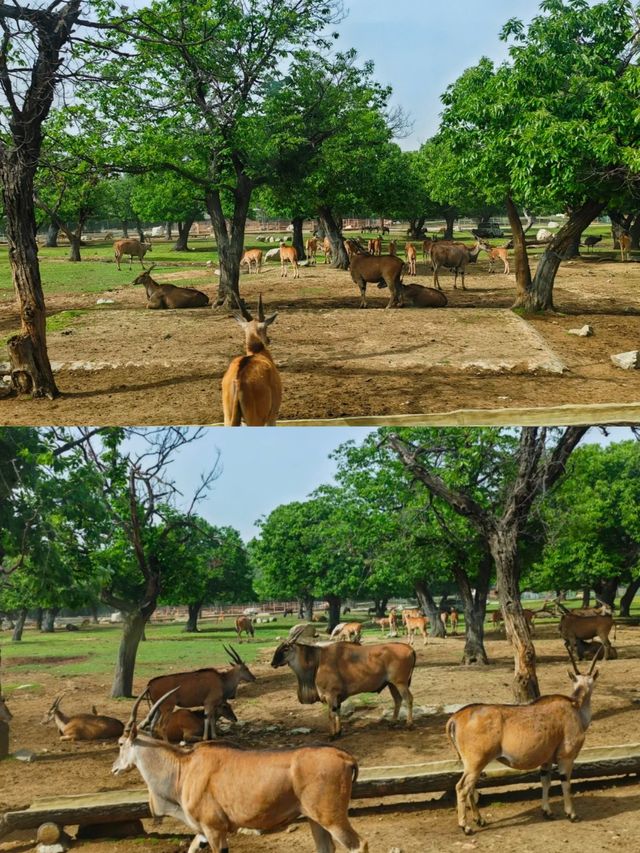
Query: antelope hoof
x=467 y=830
x=481 y=821
x=573 y=818
x=547 y=815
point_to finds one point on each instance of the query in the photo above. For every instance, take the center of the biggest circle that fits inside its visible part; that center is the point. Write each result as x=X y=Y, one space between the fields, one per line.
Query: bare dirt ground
x=338 y=361
x=268 y=709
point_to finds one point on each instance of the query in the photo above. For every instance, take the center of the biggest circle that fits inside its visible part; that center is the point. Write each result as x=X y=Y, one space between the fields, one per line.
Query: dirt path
x=338 y=361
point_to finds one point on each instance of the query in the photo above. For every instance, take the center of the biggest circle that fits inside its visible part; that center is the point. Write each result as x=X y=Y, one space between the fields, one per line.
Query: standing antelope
x=377 y=246
x=453 y=256
x=410 y=250
x=312 y=249
x=328 y=252
x=244 y=625
x=215 y=789
x=392 y=247
x=550 y=730
x=251 y=387
x=625 y=247
x=499 y=254
x=416 y=624
x=454 y=616
x=290 y=254
x=252 y=256
x=83 y=726
x=131 y=248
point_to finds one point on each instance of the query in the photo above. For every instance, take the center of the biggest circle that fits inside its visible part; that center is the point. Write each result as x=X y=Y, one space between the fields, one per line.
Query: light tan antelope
x=131 y=248
x=416 y=625
x=327 y=250
x=82 y=726
x=289 y=254
x=498 y=254
x=331 y=673
x=251 y=387
x=550 y=730
x=455 y=257
x=250 y=257
x=347 y=632
x=454 y=616
x=371 y=247
x=410 y=251
x=312 y=250
x=207 y=788
x=392 y=248
x=377 y=246
x=625 y=247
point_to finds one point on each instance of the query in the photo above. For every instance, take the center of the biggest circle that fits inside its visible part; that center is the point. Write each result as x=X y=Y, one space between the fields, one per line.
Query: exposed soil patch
x=43 y=661
x=337 y=360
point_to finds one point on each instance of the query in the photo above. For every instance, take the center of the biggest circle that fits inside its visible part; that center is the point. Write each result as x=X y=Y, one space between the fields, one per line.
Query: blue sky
x=262 y=468
x=421 y=46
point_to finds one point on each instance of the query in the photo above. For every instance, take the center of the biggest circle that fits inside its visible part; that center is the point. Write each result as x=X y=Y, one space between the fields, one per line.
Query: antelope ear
x=572 y=675
x=240 y=320
x=270 y=319
x=596 y=674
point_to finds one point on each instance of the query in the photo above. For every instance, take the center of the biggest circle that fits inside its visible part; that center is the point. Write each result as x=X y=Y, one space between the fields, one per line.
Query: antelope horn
x=155 y=707
x=260 y=309
x=295 y=633
x=134 y=711
x=233 y=654
x=244 y=311
x=573 y=660
x=595 y=660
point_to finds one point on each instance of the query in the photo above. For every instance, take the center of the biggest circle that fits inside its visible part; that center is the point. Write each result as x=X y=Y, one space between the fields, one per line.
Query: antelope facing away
x=550 y=730
x=244 y=624
x=216 y=789
x=83 y=726
x=410 y=250
x=625 y=246
x=290 y=254
x=251 y=387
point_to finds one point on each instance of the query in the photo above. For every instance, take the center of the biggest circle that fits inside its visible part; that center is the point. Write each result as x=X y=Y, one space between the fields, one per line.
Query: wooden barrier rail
x=432 y=777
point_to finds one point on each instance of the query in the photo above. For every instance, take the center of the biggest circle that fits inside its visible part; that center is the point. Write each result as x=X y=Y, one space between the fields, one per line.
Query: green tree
x=169 y=198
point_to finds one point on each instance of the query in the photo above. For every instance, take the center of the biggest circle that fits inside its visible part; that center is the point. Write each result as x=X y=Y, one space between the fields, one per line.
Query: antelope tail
x=451 y=733
x=615 y=630
x=236 y=410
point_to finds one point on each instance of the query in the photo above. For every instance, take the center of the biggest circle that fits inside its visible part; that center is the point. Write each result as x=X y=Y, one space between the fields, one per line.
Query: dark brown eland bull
x=200 y=688
x=133 y=248
x=417 y=296
x=331 y=673
x=83 y=726
x=244 y=625
x=452 y=256
x=188 y=726
x=378 y=269
x=550 y=730
x=216 y=789
x=168 y=295
x=576 y=630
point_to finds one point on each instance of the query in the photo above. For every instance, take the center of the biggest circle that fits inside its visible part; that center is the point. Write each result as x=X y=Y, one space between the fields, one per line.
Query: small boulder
x=584 y=332
x=627 y=360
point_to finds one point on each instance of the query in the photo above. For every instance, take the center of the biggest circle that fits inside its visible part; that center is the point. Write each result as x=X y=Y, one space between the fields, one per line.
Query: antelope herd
x=194 y=777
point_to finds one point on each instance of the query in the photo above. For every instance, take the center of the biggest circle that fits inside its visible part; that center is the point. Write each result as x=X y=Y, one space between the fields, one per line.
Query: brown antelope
x=377 y=246
x=328 y=251
x=331 y=673
x=83 y=726
x=251 y=387
x=311 y=248
x=206 y=787
x=387 y=269
x=444 y=618
x=499 y=254
x=410 y=251
x=392 y=247
x=347 y=632
x=625 y=246
x=252 y=256
x=244 y=625
x=5 y=714
x=371 y=247
x=416 y=624
x=529 y=615
x=550 y=730
x=200 y=688
x=290 y=254
x=417 y=296
x=131 y=248
x=426 y=248
x=576 y=629
x=168 y=295
x=389 y=624
x=454 y=617
x=188 y=726
x=453 y=256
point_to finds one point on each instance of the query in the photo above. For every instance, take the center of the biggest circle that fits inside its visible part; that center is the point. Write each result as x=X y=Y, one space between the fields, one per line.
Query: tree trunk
x=540 y=297
x=125 y=228
x=168 y=229
x=74 y=247
x=19 y=626
x=380 y=605
x=450 y=220
x=306 y=608
x=192 y=622
x=416 y=228
x=586 y=596
x=132 y=632
x=521 y=257
x=634 y=233
x=230 y=237
x=627 y=599
x=183 y=235
x=318 y=230
x=338 y=251
x=335 y=605
x=49 y=620
x=39 y=615
x=475 y=608
x=430 y=608
x=504 y=550
x=573 y=247
x=52 y=236
x=298 y=237
x=141 y=236
x=31 y=369
x=605 y=590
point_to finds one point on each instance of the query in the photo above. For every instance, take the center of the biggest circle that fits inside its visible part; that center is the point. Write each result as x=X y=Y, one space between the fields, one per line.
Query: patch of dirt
x=269 y=711
x=339 y=361
x=43 y=661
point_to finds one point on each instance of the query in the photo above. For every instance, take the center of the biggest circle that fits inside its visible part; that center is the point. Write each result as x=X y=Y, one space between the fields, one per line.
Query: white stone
x=105 y=301
x=584 y=332
x=301 y=730
x=627 y=360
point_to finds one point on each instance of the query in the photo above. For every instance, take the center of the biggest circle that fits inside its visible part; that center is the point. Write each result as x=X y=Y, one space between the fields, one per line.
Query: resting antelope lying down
x=550 y=730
